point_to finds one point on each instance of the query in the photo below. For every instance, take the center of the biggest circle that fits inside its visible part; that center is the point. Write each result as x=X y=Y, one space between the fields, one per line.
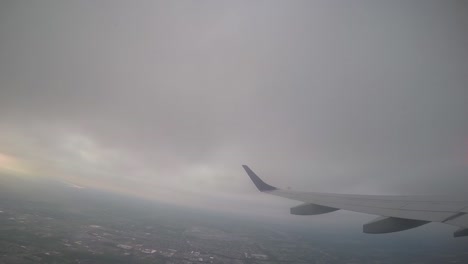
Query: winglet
x=261 y=185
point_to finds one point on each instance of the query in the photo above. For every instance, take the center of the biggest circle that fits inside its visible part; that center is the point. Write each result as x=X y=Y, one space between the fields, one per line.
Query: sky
x=167 y=99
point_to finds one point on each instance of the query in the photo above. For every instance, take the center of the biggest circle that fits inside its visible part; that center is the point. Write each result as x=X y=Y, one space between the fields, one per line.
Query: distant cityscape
x=36 y=238
x=85 y=226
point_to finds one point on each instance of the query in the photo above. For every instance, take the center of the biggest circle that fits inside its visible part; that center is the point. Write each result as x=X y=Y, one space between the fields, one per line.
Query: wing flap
x=460 y=220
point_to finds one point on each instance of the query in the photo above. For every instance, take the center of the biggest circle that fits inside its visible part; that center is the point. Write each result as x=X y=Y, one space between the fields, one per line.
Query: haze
x=166 y=99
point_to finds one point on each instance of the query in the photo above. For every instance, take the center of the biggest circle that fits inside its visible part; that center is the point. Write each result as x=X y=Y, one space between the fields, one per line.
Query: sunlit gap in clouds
x=12 y=165
x=79 y=161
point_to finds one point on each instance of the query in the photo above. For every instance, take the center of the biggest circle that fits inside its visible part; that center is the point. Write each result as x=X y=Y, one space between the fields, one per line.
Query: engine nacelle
x=461 y=232
x=311 y=209
x=391 y=224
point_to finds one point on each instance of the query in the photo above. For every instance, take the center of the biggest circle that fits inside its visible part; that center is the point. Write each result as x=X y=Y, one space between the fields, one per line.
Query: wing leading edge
x=397 y=213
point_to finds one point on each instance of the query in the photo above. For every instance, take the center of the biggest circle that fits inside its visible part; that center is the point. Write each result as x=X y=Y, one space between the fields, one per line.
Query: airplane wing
x=397 y=213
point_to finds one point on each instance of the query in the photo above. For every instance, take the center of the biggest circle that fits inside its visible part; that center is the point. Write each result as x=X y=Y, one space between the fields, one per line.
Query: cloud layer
x=167 y=99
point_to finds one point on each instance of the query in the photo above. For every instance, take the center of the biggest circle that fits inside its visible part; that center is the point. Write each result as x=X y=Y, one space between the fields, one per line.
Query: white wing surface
x=397 y=212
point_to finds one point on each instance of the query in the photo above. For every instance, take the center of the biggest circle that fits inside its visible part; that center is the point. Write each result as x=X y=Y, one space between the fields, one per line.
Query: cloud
x=167 y=99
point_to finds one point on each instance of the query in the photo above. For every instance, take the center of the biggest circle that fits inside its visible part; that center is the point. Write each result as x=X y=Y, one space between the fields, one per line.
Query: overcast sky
x=166 y=99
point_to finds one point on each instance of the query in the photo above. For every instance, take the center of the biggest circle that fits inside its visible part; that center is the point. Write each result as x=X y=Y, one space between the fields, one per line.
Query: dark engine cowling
x=311 y=209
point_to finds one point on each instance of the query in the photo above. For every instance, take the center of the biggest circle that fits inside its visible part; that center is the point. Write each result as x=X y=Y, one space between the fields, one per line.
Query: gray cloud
x=368 y=97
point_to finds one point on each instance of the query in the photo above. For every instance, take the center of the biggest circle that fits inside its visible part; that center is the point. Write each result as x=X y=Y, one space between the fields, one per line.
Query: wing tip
x=261 y=185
